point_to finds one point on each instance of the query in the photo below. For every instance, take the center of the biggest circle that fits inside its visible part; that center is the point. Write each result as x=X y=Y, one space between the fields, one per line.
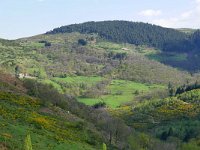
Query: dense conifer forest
x=127 y=32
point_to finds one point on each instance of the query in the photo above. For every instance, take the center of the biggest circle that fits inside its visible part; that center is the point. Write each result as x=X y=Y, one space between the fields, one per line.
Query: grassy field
x=79 y=79
x=168 y=57
x=54 y=84
x=128 y=48
x=121 y=92
x=73 y=85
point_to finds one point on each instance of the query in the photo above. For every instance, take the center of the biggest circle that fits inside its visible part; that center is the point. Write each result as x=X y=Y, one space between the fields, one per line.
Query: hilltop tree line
x=126 y=32
x=137 y=33
x=191 y=43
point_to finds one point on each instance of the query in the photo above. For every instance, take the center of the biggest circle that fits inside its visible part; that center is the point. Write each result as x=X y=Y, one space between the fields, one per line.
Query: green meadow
x=79 y=79
x=121 y=92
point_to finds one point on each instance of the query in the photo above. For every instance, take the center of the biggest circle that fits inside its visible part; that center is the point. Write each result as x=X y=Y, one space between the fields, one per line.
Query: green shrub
x=27 y=143
x=104 y=146
x=99 y=105
x=82 y=42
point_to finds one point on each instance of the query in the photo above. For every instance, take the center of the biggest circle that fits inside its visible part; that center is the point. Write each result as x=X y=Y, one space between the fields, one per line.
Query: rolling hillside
x=100 y=84
x=65 y=57
x=172 y=43
x=53 y=120
x=22 y=114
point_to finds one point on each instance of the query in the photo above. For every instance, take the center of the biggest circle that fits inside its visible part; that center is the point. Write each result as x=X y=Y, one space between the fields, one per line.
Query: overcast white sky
x=21 y=18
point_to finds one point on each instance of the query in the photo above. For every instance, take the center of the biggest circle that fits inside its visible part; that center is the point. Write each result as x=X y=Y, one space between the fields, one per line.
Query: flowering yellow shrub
x=40 y=120
x=19 y=99
x=121 y=112
x=6 y=135
x=25 y=110
x=177 y=108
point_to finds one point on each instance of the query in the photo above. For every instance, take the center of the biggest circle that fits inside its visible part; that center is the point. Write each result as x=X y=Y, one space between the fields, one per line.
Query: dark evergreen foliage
x=82 y=42
x=190 y=44
x=99 y=105
x=137 y=33
x=195 y=38
x=186 y=88
x=46 y=43
x=127 y=32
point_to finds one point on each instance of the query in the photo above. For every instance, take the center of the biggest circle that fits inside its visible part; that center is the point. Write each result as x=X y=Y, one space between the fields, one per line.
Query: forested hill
x=127 y=32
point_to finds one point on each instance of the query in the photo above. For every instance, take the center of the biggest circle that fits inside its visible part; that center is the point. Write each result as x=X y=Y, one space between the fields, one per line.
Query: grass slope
x=21 y=114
